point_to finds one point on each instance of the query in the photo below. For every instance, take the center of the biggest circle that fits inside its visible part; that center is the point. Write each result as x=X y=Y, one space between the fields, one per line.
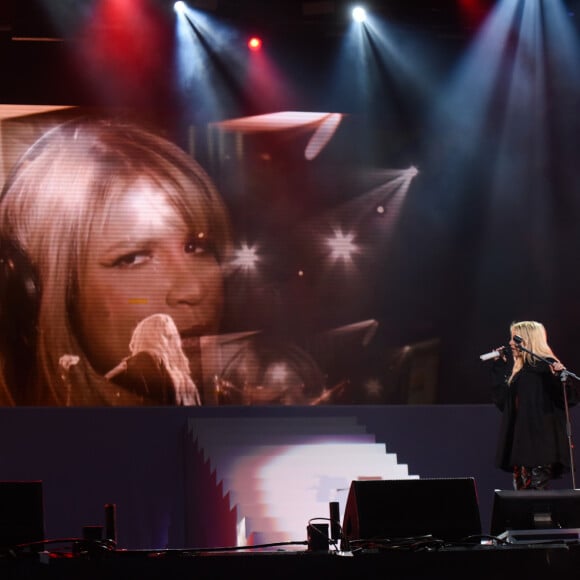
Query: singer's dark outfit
x=146 y=381
x=533 y=444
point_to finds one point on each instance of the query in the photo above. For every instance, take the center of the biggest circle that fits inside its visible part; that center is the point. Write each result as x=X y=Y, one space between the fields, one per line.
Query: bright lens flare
x=359 y=14
x=179 y=7
x=255 y=43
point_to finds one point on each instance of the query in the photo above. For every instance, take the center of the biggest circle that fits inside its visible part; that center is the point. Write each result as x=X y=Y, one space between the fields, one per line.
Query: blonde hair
x=158 y=335
x=535 y=338
x=59 y=196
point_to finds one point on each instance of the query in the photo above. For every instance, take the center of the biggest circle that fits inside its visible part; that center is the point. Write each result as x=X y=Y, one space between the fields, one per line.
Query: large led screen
x=136 y=274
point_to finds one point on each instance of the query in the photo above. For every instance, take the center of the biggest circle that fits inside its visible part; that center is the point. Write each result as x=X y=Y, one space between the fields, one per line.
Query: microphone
x=117 y=370
x=493 y=354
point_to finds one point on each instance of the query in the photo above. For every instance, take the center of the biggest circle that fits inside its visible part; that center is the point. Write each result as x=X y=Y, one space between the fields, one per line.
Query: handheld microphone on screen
x=496 y=353
x=117 y=370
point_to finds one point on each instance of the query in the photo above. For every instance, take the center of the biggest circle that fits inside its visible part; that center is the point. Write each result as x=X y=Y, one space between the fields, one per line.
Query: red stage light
x=255 y=43
x=474 y=12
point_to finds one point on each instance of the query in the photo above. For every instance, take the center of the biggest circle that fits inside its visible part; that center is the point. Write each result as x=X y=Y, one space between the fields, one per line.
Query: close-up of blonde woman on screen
x=117 y=224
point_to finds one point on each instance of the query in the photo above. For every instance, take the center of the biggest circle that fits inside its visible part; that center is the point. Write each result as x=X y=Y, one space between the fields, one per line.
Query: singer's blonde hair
x=57 y=199
x=158 y=335
x=535 y=339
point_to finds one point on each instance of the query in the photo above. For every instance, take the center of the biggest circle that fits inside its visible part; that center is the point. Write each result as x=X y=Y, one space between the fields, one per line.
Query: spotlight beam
x=384 y=70
x=230 y=80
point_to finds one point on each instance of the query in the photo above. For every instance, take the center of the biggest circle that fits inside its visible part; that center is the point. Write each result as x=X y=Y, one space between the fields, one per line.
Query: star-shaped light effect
x=342 y=246
x=246 y=257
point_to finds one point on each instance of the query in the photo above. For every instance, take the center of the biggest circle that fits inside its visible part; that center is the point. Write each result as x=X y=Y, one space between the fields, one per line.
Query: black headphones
x=19 y=306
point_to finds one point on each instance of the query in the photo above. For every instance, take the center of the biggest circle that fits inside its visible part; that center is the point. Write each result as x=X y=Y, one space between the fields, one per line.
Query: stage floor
x=478 y=562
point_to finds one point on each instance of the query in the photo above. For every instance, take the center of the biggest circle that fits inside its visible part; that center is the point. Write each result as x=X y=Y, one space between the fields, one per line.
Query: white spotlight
x=359 y=14
x=179 y=7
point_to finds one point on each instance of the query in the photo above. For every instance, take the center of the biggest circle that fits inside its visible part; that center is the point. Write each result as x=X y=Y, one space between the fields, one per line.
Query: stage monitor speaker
x=446 y=509
x=21 y=515
x=535 y=510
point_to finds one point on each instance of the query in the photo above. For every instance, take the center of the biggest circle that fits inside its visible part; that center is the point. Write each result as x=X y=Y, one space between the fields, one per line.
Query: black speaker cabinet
x=21 y=514
x=446 y=509
x=535 y=509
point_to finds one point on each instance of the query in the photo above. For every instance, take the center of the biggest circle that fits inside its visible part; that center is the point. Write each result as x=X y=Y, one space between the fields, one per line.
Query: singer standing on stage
x=532 y=444
x=116 y=224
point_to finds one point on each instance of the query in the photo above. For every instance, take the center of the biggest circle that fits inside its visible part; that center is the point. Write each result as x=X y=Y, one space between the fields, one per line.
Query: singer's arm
x=500 y=371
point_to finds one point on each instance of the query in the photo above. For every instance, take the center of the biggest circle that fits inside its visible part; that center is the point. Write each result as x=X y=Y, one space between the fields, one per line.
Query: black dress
x=533 y=424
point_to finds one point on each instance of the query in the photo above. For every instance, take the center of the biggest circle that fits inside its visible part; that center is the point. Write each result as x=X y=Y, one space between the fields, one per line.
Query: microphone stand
x=564 y=374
